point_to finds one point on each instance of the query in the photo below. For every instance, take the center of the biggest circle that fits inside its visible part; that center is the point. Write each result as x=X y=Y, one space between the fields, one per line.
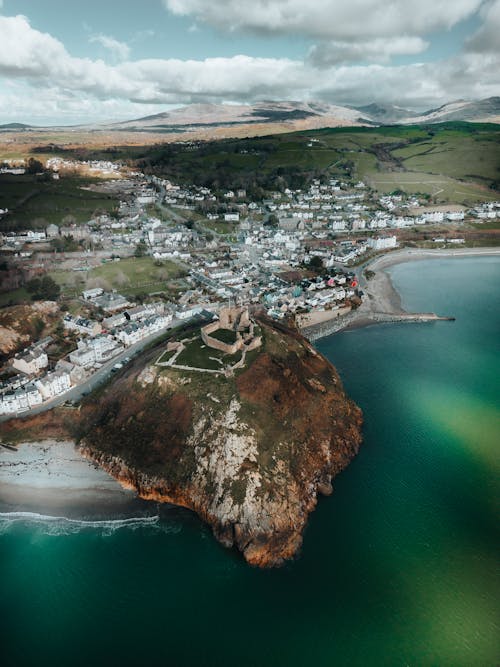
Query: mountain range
x=218 y=120
x=309 y=115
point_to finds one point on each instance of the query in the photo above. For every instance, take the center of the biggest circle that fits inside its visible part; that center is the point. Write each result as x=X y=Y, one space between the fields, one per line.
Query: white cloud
x=330 y=19
x=65 y=86
x=487 y=38
x=379 y=50
x=119 y=50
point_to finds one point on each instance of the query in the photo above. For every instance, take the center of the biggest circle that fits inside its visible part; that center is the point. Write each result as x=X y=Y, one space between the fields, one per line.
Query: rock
x=250 y=463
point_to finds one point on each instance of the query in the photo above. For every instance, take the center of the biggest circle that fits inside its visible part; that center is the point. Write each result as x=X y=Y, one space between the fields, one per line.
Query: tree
x=34 y=166
x=44 y=288
x=140 y=249
x=316 y=263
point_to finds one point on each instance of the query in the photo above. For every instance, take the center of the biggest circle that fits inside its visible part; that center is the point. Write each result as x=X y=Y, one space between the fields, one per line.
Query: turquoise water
x=399 y=566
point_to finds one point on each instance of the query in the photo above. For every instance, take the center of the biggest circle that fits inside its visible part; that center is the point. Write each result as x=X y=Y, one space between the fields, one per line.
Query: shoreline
x=382 y=302
x=51 y=479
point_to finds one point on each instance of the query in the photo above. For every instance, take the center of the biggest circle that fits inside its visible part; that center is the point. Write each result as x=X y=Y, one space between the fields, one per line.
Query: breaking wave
x=57 y=525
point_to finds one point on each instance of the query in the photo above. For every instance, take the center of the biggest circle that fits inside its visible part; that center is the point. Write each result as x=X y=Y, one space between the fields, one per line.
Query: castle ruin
x=235 y=319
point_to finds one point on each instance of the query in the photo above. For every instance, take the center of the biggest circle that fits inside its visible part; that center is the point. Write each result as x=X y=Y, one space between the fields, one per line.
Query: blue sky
x=63 y=61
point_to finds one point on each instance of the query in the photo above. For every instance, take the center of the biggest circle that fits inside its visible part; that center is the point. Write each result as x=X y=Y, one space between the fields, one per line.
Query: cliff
x=249 y=453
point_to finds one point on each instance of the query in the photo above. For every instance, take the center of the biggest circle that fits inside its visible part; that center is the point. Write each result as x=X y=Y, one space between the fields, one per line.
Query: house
x=146 y=310
x=92 y=293
x=136 y=331
x=382 y=242
x=187 y=311
x=82 y=325
x=111 y=301
x=20 y=399
x=94 y=350
x=54 y=384
x=31 y=361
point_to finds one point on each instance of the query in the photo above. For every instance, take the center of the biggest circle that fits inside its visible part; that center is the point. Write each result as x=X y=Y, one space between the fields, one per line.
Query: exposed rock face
x=21 y=325
x=248 y=454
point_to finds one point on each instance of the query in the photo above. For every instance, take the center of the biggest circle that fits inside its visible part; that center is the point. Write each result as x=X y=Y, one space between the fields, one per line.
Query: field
x=452 y=162
x=130 y=276
x=34 y=203
x=198 y=355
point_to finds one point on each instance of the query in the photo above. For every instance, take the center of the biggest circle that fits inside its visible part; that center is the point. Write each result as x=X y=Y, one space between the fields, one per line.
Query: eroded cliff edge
x=248 y=453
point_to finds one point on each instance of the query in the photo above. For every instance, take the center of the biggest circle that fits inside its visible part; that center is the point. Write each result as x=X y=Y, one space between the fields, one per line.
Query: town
x=295 y=254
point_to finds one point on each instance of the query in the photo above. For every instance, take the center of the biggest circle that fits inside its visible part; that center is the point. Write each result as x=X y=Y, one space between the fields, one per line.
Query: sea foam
x=57 y=525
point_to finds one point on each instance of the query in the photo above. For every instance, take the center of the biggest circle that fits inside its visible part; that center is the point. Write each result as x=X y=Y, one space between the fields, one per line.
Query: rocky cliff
x=248 y=453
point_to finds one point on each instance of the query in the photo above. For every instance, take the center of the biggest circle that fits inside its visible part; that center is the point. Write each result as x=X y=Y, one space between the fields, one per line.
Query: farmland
x=35 y=202
x=452 y=162
x=132 y=277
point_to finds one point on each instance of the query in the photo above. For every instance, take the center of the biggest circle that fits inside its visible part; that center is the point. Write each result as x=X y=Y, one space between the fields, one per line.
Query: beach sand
x=381 y=301
x=52 y=478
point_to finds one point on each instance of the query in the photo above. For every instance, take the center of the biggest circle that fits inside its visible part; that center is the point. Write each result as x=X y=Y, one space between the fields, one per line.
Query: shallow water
x=399 y=566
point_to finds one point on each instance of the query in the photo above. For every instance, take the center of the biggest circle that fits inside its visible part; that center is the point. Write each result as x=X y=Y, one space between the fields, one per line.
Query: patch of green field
x=487 y=224
x=131 y=276
x=168 y=354
x=198 y=355
x=462 y=158
x=14 y=297
x=35 y=203
x=135 y=272
x=224 y=335
x=441 y=188
x=220 y=227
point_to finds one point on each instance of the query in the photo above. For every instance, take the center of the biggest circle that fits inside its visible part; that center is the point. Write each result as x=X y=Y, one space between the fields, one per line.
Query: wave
x=60 y=525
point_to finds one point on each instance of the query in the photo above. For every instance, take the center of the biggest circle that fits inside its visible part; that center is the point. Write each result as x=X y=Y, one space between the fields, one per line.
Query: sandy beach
x=51 y=478
x=381 y=301
x=381 y=298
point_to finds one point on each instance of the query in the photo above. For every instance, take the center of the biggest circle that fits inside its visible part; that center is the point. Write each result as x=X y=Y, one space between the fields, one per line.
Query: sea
x=399 y=566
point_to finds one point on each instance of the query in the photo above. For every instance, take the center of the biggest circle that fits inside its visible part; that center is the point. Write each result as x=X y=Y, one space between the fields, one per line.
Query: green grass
x=220 y=227
x=14 y=297
x=225 y=336
x=129 y=276
x=442 y=188
x=136 y=272
x=198 y=355
x=166 y=356
x=36 y=203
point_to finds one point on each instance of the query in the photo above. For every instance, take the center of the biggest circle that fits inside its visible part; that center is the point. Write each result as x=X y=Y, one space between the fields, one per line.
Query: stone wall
x=227 y=348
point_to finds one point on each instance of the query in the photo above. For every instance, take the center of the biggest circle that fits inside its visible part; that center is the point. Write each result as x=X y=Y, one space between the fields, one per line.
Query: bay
x=399 y=566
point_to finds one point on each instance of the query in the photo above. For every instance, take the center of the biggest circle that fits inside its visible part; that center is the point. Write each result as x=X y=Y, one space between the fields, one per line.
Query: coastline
x=52 y=479
x=382 y=302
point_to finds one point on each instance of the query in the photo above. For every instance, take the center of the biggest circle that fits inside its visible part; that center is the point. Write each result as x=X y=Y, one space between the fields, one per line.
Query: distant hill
x=380 y=114
x=15 y=126
x=487 y=110
x=306 y=115
x=196 y=116
x=220 y=121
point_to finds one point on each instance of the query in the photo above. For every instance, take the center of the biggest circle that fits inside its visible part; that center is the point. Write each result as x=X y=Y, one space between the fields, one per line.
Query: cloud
x=380 y=50
x=329 y=19
x=487 y=38
x=42 y=69
x=119 y=50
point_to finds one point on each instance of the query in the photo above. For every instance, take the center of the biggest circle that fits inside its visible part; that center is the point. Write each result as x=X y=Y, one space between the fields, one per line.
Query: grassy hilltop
x=452 y=162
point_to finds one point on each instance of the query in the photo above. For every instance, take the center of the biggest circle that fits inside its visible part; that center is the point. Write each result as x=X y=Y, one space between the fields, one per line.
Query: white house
x=382 y=242
x=82 y=325
x=31 y=361
x=54 y=384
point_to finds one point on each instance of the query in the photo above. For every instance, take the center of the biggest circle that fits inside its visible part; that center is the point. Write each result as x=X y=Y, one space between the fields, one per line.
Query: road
x=76 y=393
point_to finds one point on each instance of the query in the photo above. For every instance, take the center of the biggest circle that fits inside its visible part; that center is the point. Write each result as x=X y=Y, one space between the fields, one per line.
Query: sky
x=64 y=62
